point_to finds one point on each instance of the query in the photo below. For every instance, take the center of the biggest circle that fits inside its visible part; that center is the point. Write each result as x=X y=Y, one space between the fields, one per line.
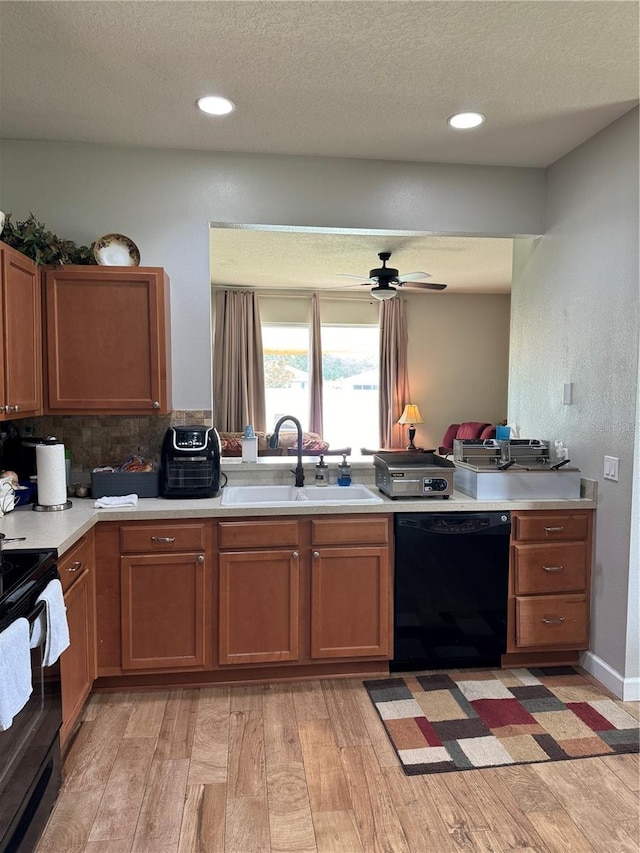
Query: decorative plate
x=116 y=250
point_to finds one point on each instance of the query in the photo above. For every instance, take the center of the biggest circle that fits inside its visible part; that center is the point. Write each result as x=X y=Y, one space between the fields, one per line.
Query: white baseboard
x=627 y=689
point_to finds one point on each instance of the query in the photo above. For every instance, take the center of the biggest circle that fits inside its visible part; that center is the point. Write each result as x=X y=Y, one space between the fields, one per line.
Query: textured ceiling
x=294 y=259
x=368 y=79
x=349 y=78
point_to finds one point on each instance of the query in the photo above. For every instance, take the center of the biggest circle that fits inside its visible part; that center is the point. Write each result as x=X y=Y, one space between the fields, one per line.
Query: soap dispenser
x=249 y=445
x=344 y=472
x=322 y=473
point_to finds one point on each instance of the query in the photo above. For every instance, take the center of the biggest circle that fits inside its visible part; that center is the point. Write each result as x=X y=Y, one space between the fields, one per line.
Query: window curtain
x=394 y=375
x=315 y=368
x=238 y=366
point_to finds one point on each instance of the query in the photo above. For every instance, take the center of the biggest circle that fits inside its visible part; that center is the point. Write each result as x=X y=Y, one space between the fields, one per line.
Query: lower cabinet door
x=77 y=662
x=163 y=611
x=350 y=602
x=259 y=606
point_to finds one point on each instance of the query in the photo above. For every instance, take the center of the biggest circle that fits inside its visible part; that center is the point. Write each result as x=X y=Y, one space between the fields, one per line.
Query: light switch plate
x=611 y=467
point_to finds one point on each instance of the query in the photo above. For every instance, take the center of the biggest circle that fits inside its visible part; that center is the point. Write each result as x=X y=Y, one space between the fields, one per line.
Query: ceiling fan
x=384 y=277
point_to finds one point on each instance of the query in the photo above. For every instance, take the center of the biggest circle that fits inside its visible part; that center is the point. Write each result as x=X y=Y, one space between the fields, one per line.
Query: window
x=349 y=375
x=350 y=385
x=286 y=372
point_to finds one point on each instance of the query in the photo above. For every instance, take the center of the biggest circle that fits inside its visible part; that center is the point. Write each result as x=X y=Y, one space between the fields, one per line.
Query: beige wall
x=459 y=360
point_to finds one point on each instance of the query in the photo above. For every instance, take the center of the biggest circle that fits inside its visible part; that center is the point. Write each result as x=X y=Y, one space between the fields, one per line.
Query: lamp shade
x=383 y=293
x=411 y=415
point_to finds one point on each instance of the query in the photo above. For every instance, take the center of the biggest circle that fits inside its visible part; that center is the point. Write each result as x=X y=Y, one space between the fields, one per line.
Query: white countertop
x=63 y=528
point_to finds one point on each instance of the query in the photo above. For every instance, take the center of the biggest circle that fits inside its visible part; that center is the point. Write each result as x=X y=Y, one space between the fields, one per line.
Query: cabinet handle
x=165 y=540
x=295 y=555
x=200 y=558
x=554 y=529
x=553 y=568
x=75 y=567
x=156 y=404
x=316 y=555
x=9 y=409
x=557 y=621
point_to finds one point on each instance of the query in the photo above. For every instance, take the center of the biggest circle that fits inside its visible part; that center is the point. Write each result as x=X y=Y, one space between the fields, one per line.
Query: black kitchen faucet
x=273 y=442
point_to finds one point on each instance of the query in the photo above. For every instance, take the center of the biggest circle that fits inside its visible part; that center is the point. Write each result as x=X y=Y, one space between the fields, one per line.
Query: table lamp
x=411 y=416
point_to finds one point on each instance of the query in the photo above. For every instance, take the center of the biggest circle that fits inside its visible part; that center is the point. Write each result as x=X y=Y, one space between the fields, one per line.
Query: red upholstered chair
x=468 y=429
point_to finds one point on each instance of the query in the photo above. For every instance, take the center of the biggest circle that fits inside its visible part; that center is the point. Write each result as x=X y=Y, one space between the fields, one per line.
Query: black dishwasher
x=450 y=595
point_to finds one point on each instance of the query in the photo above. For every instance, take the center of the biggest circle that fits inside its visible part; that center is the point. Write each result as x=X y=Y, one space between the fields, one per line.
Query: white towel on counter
x=57 y=638
x=116 y=500
x=15 y=671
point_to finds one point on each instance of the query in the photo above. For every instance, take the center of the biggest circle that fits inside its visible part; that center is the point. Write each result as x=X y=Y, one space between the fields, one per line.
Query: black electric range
x=23 y=575
x=30 y=745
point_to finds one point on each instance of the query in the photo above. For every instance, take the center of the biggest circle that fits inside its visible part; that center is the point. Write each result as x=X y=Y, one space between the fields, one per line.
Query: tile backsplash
x=96 y=440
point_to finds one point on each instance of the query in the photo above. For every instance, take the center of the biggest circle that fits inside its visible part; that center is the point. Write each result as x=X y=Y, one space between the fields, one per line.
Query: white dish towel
x=15 y=671
x=116 y=500
x=57 y=638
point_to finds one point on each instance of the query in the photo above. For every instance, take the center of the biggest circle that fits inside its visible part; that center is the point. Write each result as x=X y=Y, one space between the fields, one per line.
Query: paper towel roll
x=52 y=474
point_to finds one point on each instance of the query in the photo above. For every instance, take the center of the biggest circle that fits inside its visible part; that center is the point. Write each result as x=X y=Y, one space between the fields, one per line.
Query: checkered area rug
x=488 y=718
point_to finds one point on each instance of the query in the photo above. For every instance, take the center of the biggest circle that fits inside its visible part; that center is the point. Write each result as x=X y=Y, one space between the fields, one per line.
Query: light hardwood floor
x=307 y=767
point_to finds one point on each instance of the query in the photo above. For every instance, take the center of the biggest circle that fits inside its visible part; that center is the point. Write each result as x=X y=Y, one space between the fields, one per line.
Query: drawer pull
x=164 y=540
x=558 y=529
x=558 y=621
x=200 y=558
x=295 y=555
x=75 y=567
x=553 y=568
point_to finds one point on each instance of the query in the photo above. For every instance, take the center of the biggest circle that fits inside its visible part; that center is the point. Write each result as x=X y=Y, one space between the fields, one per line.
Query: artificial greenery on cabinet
x=32 y=238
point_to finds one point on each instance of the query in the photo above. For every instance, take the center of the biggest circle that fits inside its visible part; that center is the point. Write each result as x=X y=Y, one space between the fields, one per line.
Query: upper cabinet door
x=20 y=336
x=108 y=340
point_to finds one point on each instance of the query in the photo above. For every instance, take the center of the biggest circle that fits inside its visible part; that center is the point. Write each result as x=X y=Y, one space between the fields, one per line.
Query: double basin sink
x=356 y=493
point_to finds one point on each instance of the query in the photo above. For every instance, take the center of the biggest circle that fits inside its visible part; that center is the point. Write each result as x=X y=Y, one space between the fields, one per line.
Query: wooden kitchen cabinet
x=259 y=592
x=20 y=336
x=78 y=662
x=107 y=340
x=165 y=600
x=350 y=588
x=343 y=563
x=549 y=586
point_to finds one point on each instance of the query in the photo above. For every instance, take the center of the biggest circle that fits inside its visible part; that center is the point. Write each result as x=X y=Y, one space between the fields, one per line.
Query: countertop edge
x=61 y=530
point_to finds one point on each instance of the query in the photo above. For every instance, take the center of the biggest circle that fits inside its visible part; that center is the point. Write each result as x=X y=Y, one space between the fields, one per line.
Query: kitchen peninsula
x=192 y=592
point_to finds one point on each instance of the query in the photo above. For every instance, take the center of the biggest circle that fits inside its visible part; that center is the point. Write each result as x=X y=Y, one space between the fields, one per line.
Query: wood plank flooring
x=307 y=768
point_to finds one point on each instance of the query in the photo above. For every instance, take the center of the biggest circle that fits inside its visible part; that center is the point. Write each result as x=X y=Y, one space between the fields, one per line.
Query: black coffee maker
x=190 y=462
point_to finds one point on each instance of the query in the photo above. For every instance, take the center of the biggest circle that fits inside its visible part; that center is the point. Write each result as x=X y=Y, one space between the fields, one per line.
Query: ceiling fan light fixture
x=465 y=121
x=383 y=293
x=215 y=105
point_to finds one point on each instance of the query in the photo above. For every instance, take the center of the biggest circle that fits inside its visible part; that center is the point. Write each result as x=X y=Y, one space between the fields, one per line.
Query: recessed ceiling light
x=214 y=105
x=463 y=121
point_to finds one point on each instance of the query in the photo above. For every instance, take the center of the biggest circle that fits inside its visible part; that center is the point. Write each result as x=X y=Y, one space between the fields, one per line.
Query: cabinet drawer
x=151 y=538
x=550 y=620
x=258 y=534
x=551 y=527
x=350 y=531
x=75 y=562
x=550 y=568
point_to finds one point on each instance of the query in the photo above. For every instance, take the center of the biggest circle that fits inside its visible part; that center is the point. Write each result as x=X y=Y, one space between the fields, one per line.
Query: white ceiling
x=348 y=78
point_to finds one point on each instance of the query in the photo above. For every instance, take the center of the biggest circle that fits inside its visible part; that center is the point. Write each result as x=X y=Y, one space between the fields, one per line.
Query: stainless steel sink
x=356 y=493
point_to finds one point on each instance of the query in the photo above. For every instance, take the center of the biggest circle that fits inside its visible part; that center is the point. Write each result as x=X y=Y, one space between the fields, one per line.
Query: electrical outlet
x=611 y=468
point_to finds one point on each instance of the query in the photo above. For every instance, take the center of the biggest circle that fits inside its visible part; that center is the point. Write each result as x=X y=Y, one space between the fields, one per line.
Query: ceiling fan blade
x=423 y=285
x=414 y=276
x=362 y=278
